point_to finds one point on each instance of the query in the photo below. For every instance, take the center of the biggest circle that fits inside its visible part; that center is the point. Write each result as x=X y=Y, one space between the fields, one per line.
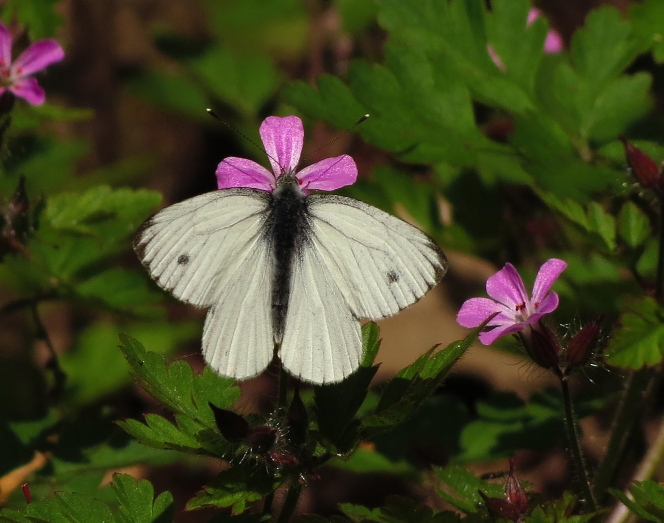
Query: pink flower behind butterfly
x=17 y=76
x=516 y=310
x=283 y=138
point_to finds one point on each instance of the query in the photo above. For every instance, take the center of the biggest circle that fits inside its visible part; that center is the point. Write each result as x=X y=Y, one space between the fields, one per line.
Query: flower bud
x=514 y=492
x=233 y=427
x=261 y=439
x=541 y=345
x=515 y=504
x=646 y=171
x=580 y=347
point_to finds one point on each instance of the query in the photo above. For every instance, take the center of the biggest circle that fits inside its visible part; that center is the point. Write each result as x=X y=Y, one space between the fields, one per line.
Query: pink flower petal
x=39 y=55
x=506 y=286
x=475 y=310
x=548 y=304
x=329 y=174
x=487 y=338
x=496 y=59
x=240 y=172
x=29 y=90
x=533 y=15
x=283 y=139
x=554 y=43
x=546 y=276
x=5 y=46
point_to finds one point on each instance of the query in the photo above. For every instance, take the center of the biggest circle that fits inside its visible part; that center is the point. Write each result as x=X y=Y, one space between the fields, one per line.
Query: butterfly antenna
x=214 y=115
x=335 y=138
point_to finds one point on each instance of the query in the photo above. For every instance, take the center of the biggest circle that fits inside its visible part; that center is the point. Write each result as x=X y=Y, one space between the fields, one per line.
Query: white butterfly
x=281 y=269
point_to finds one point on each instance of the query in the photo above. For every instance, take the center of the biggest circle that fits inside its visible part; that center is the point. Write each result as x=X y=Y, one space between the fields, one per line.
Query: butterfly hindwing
x=379 y=263
x=322 y=339
x=238 y=335
x=210 y=251
x=356 y=262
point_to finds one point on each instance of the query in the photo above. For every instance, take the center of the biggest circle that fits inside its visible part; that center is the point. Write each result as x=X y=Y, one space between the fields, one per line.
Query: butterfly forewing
x=211 y=251
x=379 y=263
x=189 y=247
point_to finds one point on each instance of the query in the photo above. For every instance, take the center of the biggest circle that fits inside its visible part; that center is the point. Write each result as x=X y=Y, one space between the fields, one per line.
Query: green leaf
x=188 y=395
x=236 y=488
x=121 y=290
x=70 y=507
x=506 y=424
x=634 y=225
x=412 y=385
x=338 y=403
x=39 y=16
x=177 y=386
x=648 y=500
x=648 y=19
x=32 y=116
x=639 y=340
x=603 y=48
x=356 y=15
x=172 y=92
x=464 y=488
x=91 y=444
x=593 y=218
x=56 y=157
x=79 y=228
x=244 y=82
x=518 y=44
x=559 y=511
x=368 y=461
x=603 y=224
x=137 y=503
x=279 y=28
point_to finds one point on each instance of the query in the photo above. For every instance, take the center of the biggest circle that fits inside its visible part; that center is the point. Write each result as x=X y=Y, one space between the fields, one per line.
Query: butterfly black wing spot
x=392 y=276
x=183 y=259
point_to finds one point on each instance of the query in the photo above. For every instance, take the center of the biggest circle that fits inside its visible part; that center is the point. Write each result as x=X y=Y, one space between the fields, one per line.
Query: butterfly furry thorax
x=279 y=267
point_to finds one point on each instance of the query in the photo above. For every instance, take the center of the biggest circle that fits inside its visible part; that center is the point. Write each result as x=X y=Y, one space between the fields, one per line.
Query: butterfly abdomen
x=287 y=229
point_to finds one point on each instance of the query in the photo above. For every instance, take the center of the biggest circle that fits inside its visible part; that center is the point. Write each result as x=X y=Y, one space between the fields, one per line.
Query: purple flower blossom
x=510 y=300
x=16 y=76
x=283 y=139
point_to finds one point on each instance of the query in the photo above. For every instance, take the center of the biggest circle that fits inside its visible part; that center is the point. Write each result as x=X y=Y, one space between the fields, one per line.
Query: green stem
x=645 y=471
x=659 y=283
x=267 y=504
x=284 y=379
x=290 y=503
x=638 y=385
x=575 y=445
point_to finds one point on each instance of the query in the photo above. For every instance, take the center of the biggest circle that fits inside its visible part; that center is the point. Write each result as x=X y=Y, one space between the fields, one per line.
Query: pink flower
x=553 y=44
x=16 y=76
x=283 y=139
x=510 y=300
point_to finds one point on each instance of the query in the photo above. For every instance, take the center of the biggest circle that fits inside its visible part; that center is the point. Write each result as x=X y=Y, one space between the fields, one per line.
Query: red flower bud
x=514 y=492
x=542 y=345
x=646 y=171
x=515 y=504
x=581 y=345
